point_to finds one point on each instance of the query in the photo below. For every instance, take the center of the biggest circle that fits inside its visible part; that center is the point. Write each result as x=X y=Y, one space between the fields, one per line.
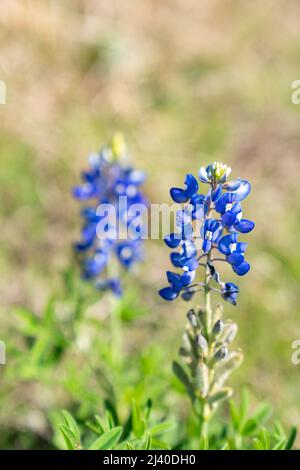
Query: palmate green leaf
x=108 y=440
x=71 y=424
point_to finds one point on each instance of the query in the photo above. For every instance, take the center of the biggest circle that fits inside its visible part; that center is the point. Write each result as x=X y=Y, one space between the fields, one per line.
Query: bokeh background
x=187 y=82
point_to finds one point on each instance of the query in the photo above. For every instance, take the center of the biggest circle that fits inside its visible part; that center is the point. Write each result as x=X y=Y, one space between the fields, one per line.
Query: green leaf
x=110 y=420
x=258 y=445
x=101 y=424
x=291 y=438
x=226 y=446
x=204 y=443
x=181 y=374
x=244 y=406
x=158 y=445
x=234 y=414
x=161 y=428
x=108 y=440
x=138 y=424
x=249 y=427
x=281 y=445
x=68 y=437
x=262 y=414
x=220 y=396
x=257 y=419
x=265 y=439
x=30 y=321
x=72 y=425
x=148 y=441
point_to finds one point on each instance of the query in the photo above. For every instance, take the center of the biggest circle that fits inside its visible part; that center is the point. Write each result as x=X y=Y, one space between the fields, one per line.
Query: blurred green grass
x=186 y=84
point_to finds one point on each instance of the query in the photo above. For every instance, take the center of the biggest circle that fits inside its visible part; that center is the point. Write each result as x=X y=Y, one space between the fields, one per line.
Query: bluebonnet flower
x=208 y=231
x=109 y=184
x=220 y=213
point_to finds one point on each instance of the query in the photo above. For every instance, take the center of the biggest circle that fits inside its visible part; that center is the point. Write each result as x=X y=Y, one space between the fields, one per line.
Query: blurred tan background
x=187 y=82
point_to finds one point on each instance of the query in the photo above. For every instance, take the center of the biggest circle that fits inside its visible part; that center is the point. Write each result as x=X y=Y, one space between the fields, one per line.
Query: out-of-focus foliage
x=187 y=83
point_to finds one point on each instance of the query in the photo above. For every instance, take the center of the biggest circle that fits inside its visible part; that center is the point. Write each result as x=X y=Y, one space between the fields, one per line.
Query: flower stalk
x=206 y=358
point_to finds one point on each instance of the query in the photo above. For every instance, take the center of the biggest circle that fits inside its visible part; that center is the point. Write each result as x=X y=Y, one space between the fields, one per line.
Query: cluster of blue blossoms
x=219 y=213
x=100 y=250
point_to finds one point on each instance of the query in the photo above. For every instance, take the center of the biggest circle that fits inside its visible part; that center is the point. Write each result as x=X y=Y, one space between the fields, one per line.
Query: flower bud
x=202 y=379
x=201 y=343
x=221 y=353
x=191 y=316
x=218 y=327
x=228 y=333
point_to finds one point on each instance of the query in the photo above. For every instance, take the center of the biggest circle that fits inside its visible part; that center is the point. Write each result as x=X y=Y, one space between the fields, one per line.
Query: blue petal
x=225 y=242
x=199 y=206
x=228 y=218
x=175 y=280
x=172 y=240
x=191 y=186
x=206 y=246
x=197 y=199
x=232 y=185
x=243 y=191
x=183 y=217
x=167 y=293
x=235 y=258
x=187 y=231
x=241 y=247
x=221 y=203
x=189 y=249
x=176 y=260
x=89 y=213
x=115 y=286
x=84 y=192
x=216 y=194
x=203 y=176
x=187 y=278
x=244 y=226
x=190 y=263
x=242 y=269
x=178 y=195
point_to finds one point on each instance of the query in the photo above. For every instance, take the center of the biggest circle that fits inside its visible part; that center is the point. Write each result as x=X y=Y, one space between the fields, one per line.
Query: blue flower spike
x=220 y=213
x=108 y=182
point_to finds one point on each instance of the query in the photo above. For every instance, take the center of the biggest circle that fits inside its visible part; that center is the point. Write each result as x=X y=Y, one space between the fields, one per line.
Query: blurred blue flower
x=111 y=192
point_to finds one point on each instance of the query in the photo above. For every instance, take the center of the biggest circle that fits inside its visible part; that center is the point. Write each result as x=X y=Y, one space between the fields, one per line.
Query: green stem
x=206 y=410
x=116 y=331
